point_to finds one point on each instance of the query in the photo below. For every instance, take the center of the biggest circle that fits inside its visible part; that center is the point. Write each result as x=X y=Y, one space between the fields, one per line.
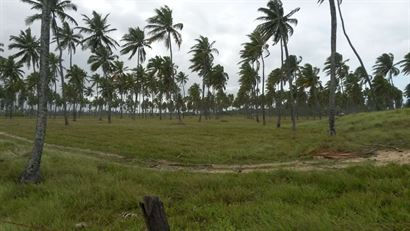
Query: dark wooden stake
x=154 y=214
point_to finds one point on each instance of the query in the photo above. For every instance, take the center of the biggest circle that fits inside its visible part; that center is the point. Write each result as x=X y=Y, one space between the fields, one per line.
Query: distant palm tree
x=76 y=79
x=309 y=78
x=252 y=52
x=54 y=69
x=135 y=43
x=277 y=25
x=28 y=47
x=31 y=173
x=202 y=61
x=98 y=29
x=68 y=40
x=385 y=66
x=120 y=81
x=58 y=10
x=11 y=74
x=405 y=64
x=182 y=79
x=333 y=43
x=103 y=59
x=162 y=28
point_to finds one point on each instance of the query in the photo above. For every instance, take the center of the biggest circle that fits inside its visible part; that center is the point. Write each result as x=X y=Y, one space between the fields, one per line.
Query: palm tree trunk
x=203 y=99
x=292 y=103
x=279 y=102
x=357 y=55
x=32 y=173
x=62 y=79
x=172 y=75
x=332 y=95
x=263 y=90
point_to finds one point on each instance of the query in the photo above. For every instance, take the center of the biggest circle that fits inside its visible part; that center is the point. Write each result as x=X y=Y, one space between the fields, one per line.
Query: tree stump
x=154 y=214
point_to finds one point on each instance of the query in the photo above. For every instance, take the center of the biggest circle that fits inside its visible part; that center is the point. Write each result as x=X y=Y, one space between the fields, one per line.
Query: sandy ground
x=320 y=161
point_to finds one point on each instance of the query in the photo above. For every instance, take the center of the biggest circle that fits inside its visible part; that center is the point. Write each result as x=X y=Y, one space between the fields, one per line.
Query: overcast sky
x=375 y=26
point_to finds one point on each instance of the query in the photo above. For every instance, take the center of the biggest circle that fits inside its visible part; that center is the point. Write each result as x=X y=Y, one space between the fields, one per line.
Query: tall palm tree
x=11 y=74
x=202 y=61
x=68 y=40
x=162 y=28
x=58 y=10
x=385 y=66
x=405 y=64
x=277 y=25
x=28 y=47
x=182 y=79
x=252 y=52
x=333 y=43
x=31 y=173
x=135 y=43
x=76 y=79
x=120 y=80
x=309 y=78
x=103 y=59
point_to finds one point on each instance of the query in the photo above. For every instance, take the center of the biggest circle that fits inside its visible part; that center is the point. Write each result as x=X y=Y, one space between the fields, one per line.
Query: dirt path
x=321 y=161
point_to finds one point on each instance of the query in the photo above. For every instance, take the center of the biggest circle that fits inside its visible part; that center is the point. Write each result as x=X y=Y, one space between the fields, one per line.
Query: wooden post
x=154 y=214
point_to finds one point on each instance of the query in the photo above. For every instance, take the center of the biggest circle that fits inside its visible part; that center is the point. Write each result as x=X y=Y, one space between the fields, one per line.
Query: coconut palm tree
x=252 y=52
x=202 y=61
x=11 y=74
x=54 y=69
x=333 y=43
x=135 y=43
x=76 y=79
x=28 y=47
x=58 y=10
x=309 y=78
x=405 y=64
x=385 y=66
x=277 y=25
x=68 y=40
x=182 y=79
x=103 y=59
x=120 y=81
x=97 y=28
x=162 y=28
x=31 y=174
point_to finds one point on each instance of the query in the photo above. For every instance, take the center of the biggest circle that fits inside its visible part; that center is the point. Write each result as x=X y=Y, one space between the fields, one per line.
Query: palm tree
x=58 y=10
x=405 y=64
x=202 y=62
x=252 y=52
x=76 y=79
x=182 y=79
x=97 y=28
x=103 y=59
x=309 y=78
x=120 y=80
x=54 y=69
x=11 y=74
x=95 y=81
x=135 y=43
x=28 y=47
x=385 y=66
x=68 y=40
x=333 y=42
x=31 y=173
x=277 y=25
x=162 y=28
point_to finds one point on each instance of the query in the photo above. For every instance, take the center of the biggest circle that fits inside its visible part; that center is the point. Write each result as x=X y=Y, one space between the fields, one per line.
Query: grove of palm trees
x=95 y=117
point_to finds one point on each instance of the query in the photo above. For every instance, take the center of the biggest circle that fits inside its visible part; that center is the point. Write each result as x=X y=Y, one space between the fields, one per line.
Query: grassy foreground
x=81 y=189
x=105 y=194
x=230 y=140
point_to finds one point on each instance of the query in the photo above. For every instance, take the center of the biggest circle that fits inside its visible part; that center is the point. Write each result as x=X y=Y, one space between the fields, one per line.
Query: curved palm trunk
x=263 y=90
x=32 y=173
x=357 y=55
x=172 y=75
x=62 y=79
x=292 y=100
x=332 y=95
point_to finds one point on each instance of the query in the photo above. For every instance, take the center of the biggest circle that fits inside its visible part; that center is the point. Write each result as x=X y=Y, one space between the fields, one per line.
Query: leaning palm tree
x=68 y=40
x=58 y=10
x=103 y=59
x=97 y=28
x=405 y=64
x=28 y=47
x=333 y=42
x=202 y=62
x=31 y=173
x=252 y=52
x=135 y=43
x=162 y=28
x=385 y=66
x=277 y=25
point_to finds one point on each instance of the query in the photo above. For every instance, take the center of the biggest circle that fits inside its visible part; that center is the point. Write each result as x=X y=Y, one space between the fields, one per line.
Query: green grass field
x=105 y=194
